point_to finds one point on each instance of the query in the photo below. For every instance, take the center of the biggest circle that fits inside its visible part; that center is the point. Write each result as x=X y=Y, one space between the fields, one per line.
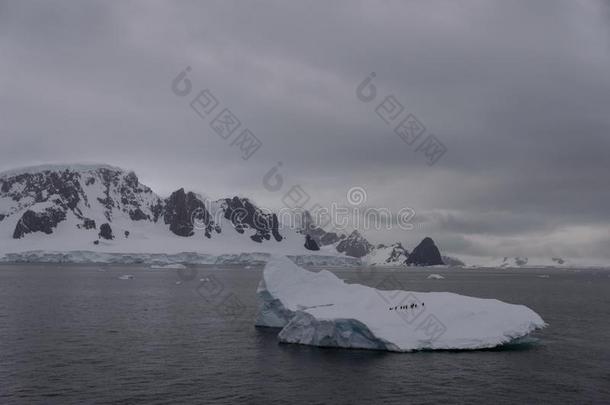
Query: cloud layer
x=518 y=92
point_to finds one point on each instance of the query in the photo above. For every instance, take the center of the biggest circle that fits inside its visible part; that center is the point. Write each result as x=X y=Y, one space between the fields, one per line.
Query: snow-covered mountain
x=393 y=255
x=355 y=245
x=106 y=209
x=515 y=262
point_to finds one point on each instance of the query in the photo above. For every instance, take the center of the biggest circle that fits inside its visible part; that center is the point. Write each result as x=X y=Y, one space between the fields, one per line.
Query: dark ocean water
x=79 y=334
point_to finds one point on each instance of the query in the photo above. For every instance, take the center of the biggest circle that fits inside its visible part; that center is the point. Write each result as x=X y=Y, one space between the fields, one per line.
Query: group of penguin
x=413 y=305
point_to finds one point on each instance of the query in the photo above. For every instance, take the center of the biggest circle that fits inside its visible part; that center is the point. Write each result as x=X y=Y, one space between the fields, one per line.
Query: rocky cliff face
x=425 y=254
x=183 y=211
x=243 y=215
x=43 y=221
x=355 y=245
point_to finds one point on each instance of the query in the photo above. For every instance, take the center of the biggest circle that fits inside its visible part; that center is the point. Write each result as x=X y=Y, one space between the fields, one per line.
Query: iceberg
x=435 y=277
x=320 y=309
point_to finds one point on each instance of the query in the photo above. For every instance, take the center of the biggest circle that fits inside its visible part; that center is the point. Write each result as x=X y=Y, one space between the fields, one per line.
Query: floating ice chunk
x=322 y=310
x=435 y=277
x=126 y=277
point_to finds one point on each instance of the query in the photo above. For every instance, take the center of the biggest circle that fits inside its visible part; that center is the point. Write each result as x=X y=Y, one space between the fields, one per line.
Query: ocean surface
x=72 y=334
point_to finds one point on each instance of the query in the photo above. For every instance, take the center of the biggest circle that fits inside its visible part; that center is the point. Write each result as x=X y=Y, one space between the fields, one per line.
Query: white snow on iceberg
x=322 y=310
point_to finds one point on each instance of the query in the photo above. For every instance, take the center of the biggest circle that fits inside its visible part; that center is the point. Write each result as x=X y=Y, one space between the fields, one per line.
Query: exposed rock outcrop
x=425 y=254
x=243 y=215
x=88 y=223
x=355 y=245
x=43 y=221
x=106 y=232
x=184 y=210
x=310 y=227
x=397 y=254
x=310 y=244
x=78 y=189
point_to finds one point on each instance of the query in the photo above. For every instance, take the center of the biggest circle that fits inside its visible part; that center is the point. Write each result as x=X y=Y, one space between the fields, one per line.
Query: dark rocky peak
x=243 y=215
x=425 y=254
x=355 y=245
x=183 y=211
x=311 y=244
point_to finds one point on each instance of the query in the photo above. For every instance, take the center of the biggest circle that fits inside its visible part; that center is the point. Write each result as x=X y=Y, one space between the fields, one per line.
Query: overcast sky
x=517 y=91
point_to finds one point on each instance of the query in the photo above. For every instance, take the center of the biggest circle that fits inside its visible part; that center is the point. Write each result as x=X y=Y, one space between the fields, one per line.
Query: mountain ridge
x=102 y=207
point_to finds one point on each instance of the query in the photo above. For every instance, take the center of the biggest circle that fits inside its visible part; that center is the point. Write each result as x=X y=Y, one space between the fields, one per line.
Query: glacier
x=320 y=309
x=170 y=260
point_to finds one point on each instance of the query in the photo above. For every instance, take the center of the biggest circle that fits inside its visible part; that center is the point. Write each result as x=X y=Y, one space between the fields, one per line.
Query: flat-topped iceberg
x=322 y=310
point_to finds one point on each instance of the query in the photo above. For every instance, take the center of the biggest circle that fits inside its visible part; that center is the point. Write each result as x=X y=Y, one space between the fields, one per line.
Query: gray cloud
x=517 y=91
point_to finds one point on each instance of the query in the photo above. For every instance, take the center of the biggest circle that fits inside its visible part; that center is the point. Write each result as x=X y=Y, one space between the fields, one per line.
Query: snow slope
x=320 y=309
x=393 y=255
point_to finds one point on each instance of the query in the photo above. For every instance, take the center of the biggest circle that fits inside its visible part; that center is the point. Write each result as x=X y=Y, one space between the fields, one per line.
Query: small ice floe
x=126 y=277
x=248 y=267
x=178 y=282
x=204 y=280
x=543 y=276
x=435 y=277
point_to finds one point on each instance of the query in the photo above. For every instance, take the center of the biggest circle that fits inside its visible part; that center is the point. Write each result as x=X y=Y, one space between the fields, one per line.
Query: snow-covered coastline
x=165 y=259
x=96 y=213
